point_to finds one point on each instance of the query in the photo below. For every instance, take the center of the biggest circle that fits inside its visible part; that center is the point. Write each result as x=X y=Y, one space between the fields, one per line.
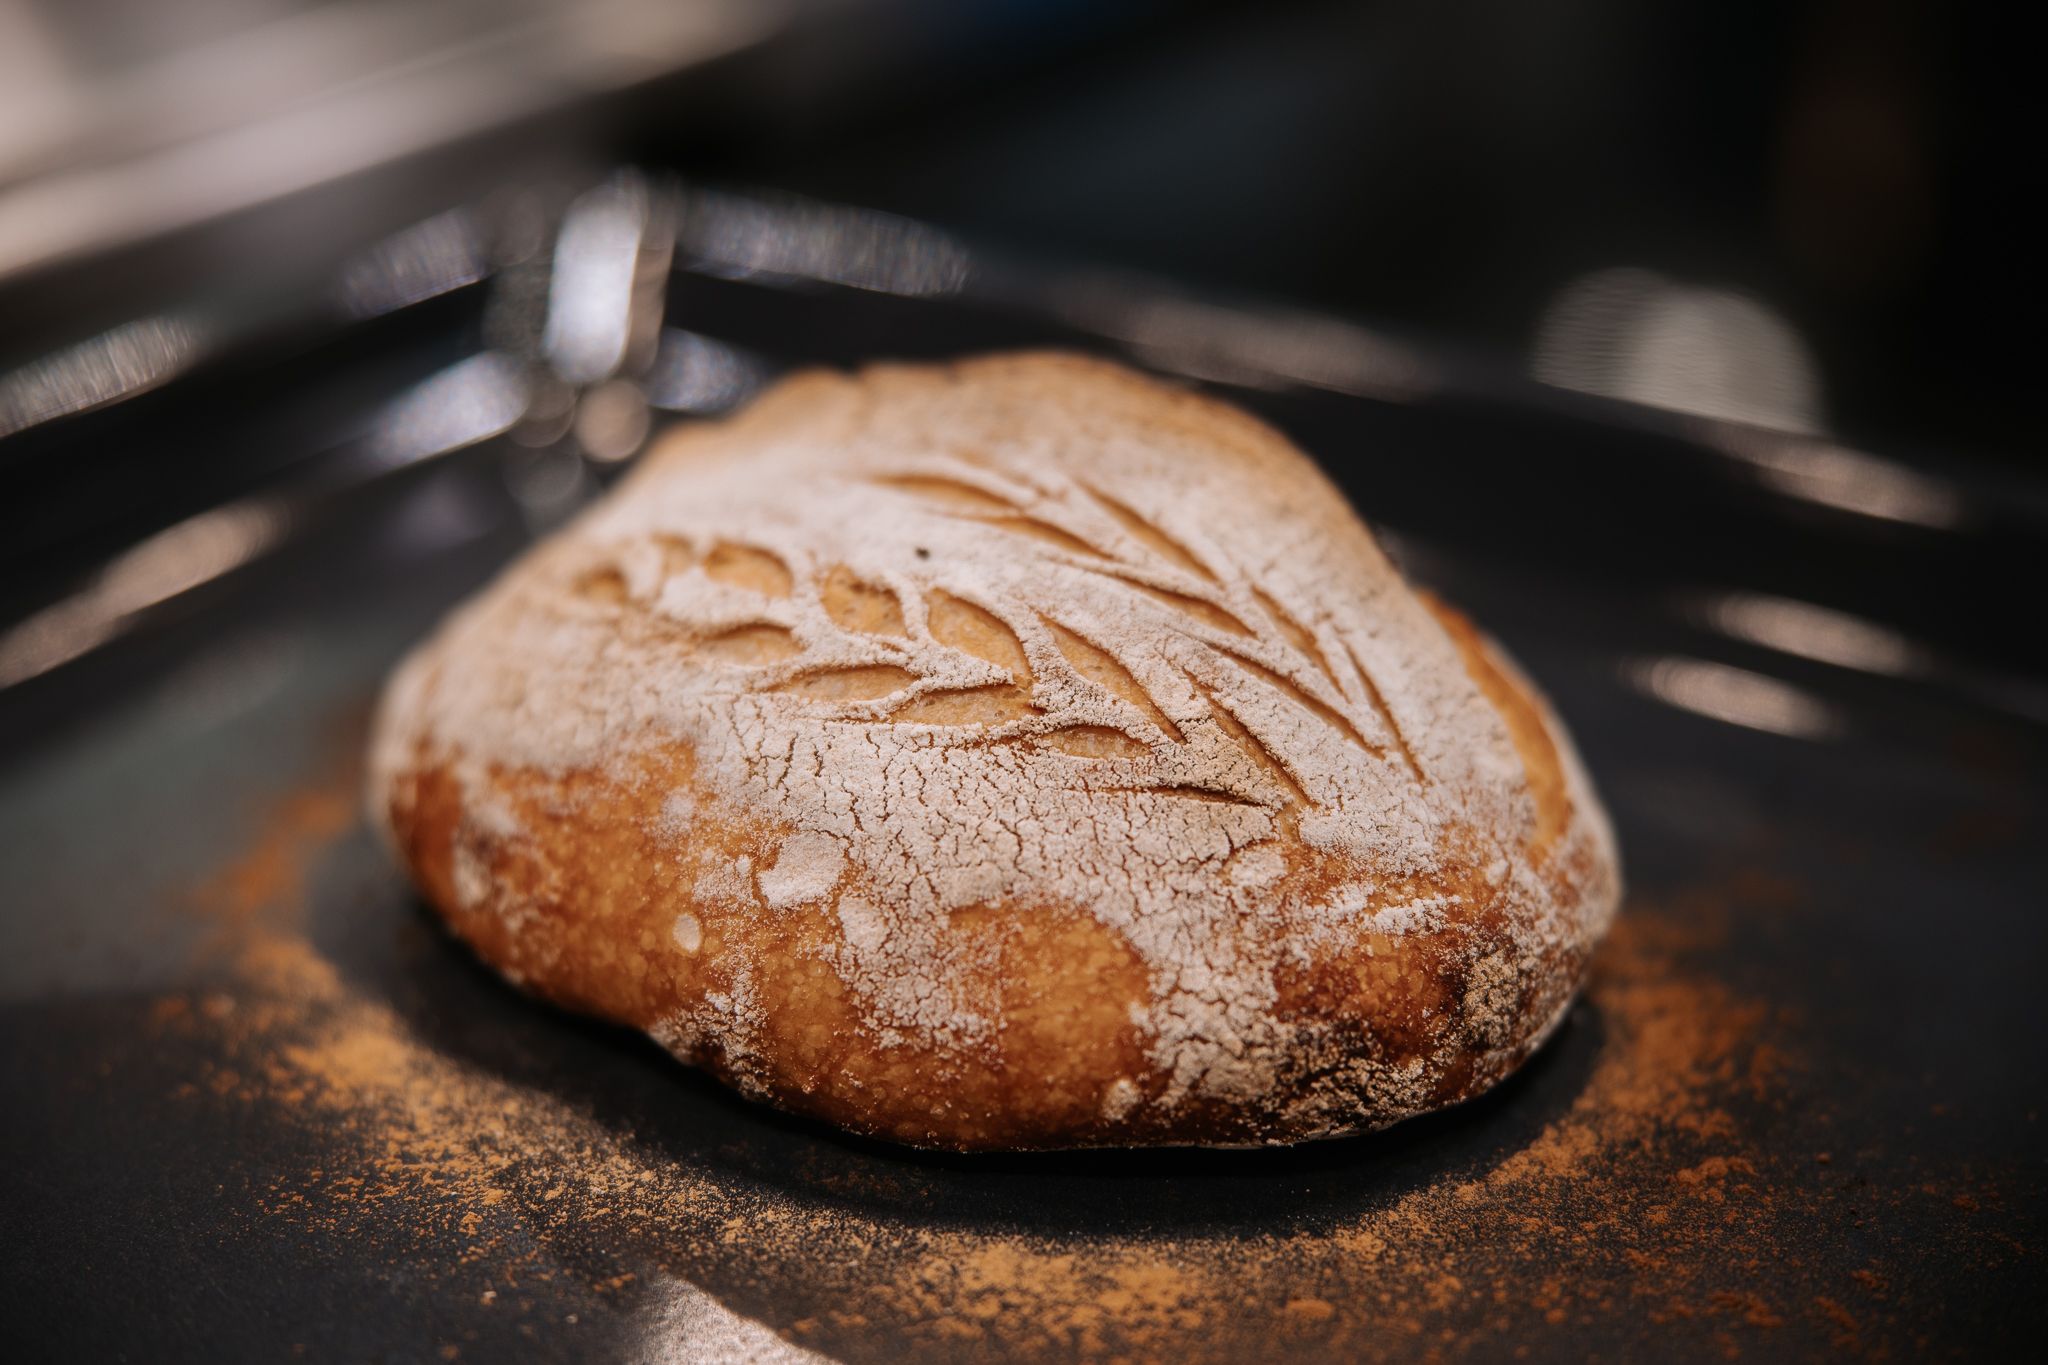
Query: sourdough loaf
x=1013 y=753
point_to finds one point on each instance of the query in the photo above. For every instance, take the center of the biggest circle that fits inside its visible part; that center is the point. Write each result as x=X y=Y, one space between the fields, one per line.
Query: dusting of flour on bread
x=1032 y=633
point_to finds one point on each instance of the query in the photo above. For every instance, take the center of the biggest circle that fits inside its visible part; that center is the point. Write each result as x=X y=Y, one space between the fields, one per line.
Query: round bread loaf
x=1006 y=754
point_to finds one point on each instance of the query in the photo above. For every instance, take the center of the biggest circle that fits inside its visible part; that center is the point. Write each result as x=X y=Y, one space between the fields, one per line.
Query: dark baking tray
x=258 y=1107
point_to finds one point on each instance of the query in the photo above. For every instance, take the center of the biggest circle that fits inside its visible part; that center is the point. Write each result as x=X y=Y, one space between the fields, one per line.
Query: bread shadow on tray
x=459 y=1007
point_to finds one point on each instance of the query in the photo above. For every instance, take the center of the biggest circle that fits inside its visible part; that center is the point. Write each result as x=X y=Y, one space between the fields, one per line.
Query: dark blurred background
x=242 y=241
x=1859 y=169
x=1856 y=168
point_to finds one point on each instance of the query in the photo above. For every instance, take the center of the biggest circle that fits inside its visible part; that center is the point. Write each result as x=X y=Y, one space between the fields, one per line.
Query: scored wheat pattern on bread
x=1022 y=667
x=1014 y=753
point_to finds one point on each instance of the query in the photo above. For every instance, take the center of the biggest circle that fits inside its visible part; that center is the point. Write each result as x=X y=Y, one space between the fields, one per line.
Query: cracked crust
x=1018 y=753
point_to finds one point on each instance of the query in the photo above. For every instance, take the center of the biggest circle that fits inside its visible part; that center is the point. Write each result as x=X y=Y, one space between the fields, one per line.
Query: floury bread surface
x=1014 y=753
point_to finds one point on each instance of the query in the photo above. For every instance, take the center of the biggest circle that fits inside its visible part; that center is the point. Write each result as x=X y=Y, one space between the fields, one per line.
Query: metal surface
x=258 y=1107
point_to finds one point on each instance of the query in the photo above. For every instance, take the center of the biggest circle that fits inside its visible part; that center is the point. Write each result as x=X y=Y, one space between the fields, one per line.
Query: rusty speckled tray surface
x=258 y=1107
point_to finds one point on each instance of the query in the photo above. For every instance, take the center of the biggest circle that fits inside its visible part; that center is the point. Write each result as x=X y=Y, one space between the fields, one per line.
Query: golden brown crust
x=1295 y=982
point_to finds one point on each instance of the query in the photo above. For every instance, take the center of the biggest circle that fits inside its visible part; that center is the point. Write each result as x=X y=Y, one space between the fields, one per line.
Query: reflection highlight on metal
x=442 y=254
x=1818 y=633
x=1806 y=631
x=1723 y=356
x=131 y=359
x=739 y=238
x=170 y=562
x=696 y=373
x=466 y=403
x=1244 y=346
x=470 y=401
x=1734 y=695
x=610 y=269
x=607 y=289
x=1847 y=480
x=1638 y=336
